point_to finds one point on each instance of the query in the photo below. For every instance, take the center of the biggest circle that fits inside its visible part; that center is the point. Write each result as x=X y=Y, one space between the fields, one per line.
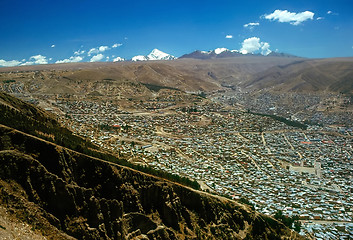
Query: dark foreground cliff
x=64 y=194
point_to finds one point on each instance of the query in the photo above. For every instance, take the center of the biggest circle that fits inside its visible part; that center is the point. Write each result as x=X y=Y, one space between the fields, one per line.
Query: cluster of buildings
x=326 y=230
x=331 y=111
x=233 y=153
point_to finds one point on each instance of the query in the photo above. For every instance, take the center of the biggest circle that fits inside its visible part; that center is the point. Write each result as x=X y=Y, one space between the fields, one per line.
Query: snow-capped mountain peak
x=159 y=55
x=216 y=53
x=154 y=55
x=139 y=58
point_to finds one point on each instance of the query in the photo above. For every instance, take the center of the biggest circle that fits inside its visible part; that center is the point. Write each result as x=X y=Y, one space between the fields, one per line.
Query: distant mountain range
x=275 y=72
x=156 y=55
x=226 y=53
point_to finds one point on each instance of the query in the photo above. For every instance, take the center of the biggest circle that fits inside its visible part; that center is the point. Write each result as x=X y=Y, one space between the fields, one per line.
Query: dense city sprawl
x=304 y=173
x=230 y=149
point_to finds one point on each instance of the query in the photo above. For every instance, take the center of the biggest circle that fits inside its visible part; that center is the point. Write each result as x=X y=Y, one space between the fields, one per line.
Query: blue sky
x=44 y=31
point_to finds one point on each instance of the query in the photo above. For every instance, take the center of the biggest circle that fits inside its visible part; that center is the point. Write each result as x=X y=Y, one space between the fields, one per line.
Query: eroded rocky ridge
x=64 y=194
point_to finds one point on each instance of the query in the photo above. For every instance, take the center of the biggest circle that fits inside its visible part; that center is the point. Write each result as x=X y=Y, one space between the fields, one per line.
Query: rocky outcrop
x=77 y=196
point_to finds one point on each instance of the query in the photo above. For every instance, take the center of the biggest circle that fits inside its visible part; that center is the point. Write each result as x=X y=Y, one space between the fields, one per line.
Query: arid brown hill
x=52 y=191
x=323 y=75
x=113 y=78
x=271 y=73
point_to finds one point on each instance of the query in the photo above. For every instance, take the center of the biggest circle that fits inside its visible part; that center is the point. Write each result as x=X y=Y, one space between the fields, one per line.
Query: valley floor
x=228 y=150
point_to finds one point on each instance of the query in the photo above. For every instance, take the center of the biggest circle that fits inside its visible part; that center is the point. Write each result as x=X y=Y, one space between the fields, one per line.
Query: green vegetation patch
x=282 y=119
x=8 y=81
x=156 y=88
x=291 y=222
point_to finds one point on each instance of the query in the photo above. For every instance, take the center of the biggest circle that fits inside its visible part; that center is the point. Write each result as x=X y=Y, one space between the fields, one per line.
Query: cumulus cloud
x=253 y=44
x=117 y=45
x=329 y=12
x=103 y=48
x=97 y=50
x=53 y=46
x=229 y=36
x=250 y=45
x=285 y=16
x=39 y=59
x=11 y=63
x=79 y=52
x=251 y=25
x=92 y=51
x=70 y=59
x=320 y=18
x=97 y=58
x=265 y=48
x=27 y=63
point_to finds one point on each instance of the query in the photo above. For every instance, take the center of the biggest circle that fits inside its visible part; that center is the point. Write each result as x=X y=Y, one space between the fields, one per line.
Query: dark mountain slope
x=30 y=119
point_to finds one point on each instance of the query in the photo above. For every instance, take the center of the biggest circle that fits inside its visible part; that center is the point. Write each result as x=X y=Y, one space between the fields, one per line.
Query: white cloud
x=27 y=63
x=11 y=63
x=332 y=13
x=289 y=17
x=97 y=50
x=117 y=45
x=70 y=60
x=229 y=36
x=320 y=18
x=79 y=52
x=53 y=46
x=103 y=48
x=39 y=59
x=250 y=45
x=97 y=58
x=253 y=44
x=251 y=25
x=118 y=59
x=93 y=51
x=265 y=48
